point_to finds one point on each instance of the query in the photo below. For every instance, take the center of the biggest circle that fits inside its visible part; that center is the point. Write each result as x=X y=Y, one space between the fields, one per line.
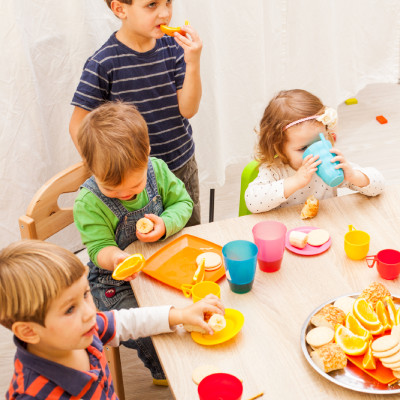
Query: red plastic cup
x=269 y=236
x=220 y=387
x=387 y=263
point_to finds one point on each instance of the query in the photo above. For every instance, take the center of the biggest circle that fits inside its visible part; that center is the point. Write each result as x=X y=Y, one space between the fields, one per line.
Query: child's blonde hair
x=32 y=274
x=285 y=107
x=114 y=140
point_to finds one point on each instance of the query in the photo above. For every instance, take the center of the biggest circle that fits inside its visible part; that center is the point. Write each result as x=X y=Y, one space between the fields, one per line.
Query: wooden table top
x=267 y=353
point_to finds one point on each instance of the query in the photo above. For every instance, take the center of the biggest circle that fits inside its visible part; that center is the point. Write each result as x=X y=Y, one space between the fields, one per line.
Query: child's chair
x=249 y=173
x=44 y=218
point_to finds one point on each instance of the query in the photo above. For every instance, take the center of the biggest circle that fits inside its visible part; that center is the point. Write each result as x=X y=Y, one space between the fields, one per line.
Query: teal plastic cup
x=326 y=170
x=240 y=261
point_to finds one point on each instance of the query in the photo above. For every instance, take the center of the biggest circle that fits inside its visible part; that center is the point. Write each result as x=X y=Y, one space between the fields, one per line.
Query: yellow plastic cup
x=201 y=290
x=356 y=243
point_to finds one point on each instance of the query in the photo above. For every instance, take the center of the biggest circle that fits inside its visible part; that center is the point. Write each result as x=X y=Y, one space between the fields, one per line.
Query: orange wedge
x=169 y=30
x=369 y=360
x=398 y=317
x=383 y=315
x=129 y=266
x=350 y=343
x=391 y=308
x=365 y=314
x=355 y=327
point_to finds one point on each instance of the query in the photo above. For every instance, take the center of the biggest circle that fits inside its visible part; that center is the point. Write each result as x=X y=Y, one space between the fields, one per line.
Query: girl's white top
x=266 y=191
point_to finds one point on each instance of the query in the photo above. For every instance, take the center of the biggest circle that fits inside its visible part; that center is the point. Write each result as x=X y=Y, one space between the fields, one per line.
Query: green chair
x=249 y=173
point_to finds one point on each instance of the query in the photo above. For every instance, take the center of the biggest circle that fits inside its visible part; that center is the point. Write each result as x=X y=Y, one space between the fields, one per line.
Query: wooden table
x=267 y=354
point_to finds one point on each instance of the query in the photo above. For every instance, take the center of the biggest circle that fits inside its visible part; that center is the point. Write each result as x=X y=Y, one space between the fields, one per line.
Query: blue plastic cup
x=240 y=261
x=326 y=170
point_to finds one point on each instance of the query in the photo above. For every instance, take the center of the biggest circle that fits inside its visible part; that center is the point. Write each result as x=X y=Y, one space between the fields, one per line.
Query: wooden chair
x=44 y=218
x=249 y=173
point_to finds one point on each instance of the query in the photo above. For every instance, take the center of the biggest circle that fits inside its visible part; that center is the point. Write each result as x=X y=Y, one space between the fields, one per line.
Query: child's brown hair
x=121 y=1
x=33 y=273
x=285 y=107
x=114 y=140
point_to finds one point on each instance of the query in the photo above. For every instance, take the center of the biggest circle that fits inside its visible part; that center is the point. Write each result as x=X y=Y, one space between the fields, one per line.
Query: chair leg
x=114 y=364
x=211 y=211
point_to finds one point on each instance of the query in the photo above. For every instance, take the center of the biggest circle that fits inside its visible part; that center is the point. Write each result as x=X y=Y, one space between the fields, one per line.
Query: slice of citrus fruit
x=365 y=314
x=369 y=360
x=355 y=327
x=350 y=343
x=391 y=308
x=129 y=266
x=398 y=317
x=383 y=315
x=169 y=30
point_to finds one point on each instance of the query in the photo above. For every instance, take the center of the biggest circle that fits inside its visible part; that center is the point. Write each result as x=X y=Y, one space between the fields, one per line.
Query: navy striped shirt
x=37 y=378
x=150 y=81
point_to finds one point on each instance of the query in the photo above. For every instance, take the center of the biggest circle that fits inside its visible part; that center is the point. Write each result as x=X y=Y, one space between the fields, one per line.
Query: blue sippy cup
x=326 y=170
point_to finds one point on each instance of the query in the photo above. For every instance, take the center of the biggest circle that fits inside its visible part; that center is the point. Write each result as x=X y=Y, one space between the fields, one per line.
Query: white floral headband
x=328 y=118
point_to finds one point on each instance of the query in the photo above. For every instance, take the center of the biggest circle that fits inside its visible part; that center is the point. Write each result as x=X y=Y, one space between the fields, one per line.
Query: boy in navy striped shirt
x=157 y=73
x=46 y=302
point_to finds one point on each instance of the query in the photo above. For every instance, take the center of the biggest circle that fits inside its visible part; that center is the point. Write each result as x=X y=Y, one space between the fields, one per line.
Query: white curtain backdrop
x=251 y=49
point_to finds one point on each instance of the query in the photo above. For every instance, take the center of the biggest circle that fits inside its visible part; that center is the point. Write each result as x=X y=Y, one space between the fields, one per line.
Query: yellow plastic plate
x=234 y=323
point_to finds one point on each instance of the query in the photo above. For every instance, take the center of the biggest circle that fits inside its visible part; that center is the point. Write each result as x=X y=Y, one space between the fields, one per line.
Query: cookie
x=202 y=371
x=212 y=260
x=318 y=237
x=317 y=337
x=387 y=353
x=384 y=343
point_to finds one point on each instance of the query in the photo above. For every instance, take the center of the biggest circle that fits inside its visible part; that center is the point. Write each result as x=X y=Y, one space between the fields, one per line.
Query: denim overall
x=110 y=294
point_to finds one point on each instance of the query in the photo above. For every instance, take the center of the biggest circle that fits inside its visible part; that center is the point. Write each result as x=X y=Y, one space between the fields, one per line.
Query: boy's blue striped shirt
x=150 y=81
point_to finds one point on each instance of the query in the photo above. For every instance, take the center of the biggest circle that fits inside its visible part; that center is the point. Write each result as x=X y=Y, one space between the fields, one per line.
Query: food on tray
x=329 y=357
x=369 y=361
x=310 y=208
x=298 y=239
x=199 y=274
x=213 y=260
x=345 y=304
x=374 y=292
x=129 y=266
x=144 y=225
x=318 y=237
x=202 y=371
x=387 y=349
x=350 y=343
x=364 y=312
x=396 y=331
x=215 y=321
x=319 y=336
x=356 y=327
x=328 y=316
x=383 y=315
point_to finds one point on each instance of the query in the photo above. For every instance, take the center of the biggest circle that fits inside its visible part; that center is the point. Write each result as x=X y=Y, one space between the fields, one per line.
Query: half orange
x=129 y=266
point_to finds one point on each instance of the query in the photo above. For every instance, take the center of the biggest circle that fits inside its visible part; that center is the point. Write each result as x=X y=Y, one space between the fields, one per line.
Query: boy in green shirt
x=126 y=186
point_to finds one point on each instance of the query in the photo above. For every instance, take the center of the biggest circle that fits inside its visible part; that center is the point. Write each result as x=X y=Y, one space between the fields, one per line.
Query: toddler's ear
x=118 y=9
x=26 y=332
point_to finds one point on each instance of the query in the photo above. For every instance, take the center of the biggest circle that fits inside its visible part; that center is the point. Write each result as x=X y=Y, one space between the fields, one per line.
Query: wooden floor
x=361 y=138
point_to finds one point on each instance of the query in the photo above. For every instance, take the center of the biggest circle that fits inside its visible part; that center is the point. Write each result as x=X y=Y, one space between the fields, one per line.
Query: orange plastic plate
x=175 y=263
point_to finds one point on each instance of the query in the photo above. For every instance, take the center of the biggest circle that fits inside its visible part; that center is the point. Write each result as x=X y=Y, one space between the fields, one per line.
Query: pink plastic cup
x=387 y=263
x=269 y=236
x=220 y=387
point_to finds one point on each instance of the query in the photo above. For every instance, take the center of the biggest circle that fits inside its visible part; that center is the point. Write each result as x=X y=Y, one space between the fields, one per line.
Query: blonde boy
x=159 y=74
x=46 y=302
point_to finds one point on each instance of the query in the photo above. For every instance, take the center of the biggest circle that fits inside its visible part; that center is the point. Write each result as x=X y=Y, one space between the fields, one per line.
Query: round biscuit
x=396 y=374
x=202 y=371
x=392 y=366
x=394 y=359
x=318 y=237
x=211 y=259
x=319 y=336
x=384 y=343
x=345 y=304
x=387 y=353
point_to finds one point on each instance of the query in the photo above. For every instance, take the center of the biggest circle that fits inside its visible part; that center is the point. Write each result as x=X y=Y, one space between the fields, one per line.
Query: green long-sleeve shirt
x=97 y=223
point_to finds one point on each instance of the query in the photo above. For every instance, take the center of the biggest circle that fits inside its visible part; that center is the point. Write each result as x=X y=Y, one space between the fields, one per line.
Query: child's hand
x=118 y=258
x=194 y=314
x=192 y=48
x=158 y=231
x=350 y=174
x=307 y=170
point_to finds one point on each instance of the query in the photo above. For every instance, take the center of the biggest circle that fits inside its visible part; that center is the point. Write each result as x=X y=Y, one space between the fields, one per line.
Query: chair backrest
x=44 y=217
x=249 y=173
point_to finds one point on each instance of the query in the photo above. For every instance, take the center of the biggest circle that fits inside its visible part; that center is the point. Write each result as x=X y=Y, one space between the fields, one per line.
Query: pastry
x=144 y=225
x=320 y=336
x=298 y=239
x=310 y=208
x=329 y=316
x=318 y=237
x=329 y=357
x=374 y=292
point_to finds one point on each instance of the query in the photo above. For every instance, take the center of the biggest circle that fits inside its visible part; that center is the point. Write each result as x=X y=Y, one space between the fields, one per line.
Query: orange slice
x=350 y=343
x=129 y=266
x=398 y=317
x=355 y=327
x=169 y=30
x=391 y=308
x=365 y=314
x=383 y=315
x=369 y=360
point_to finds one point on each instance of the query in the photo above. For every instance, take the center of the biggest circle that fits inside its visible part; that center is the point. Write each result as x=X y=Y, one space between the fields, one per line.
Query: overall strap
x=151 y=185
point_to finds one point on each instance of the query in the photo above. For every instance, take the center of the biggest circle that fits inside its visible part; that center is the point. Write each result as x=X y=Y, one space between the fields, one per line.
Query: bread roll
x=310 y=208
x=329 y=357
x=329 y=316
x=298 y=239
x=375 y=292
